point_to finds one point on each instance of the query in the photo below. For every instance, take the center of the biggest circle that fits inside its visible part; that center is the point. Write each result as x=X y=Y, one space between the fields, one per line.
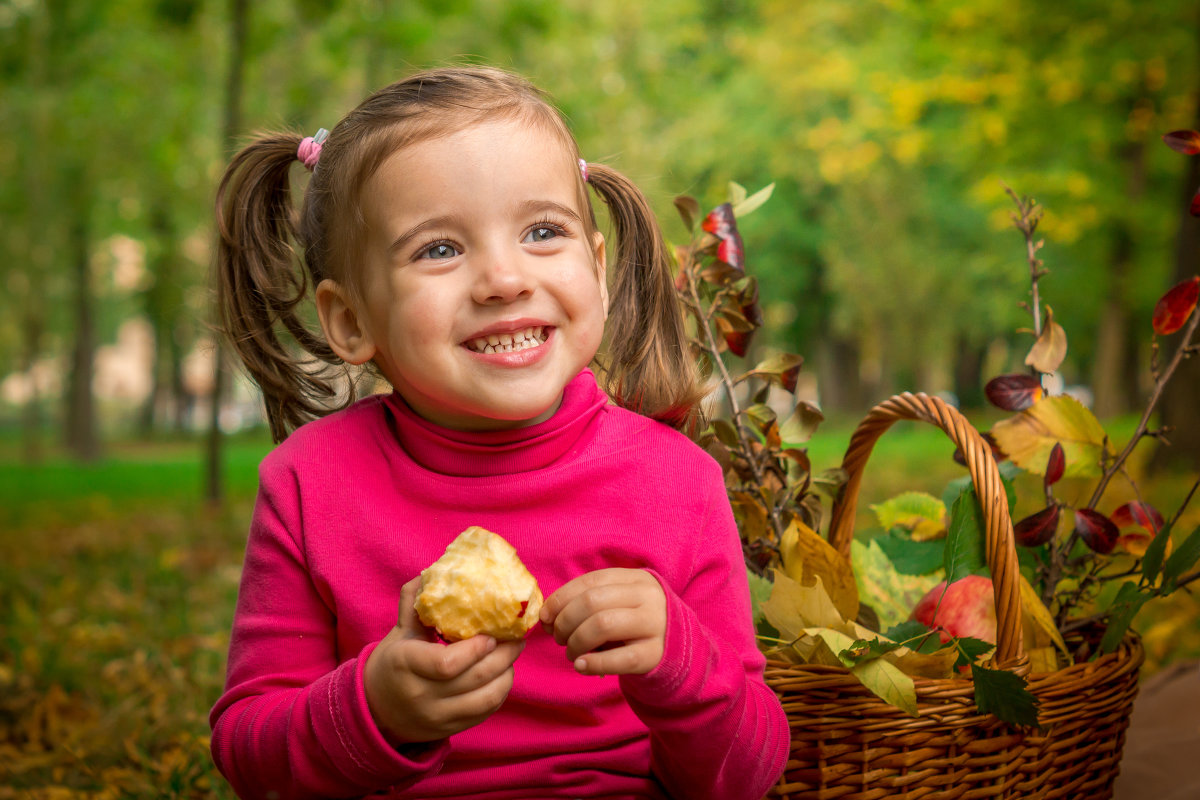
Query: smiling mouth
x=509 y=342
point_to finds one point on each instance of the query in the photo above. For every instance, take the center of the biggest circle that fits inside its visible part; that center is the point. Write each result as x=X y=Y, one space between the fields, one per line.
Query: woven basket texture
x=847 y=744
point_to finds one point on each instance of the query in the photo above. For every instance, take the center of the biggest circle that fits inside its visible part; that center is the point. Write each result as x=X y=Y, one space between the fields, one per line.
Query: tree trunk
x=968 y=374
x=81 y=438
x=1114 y=385
x=1111 y=383
x=839 y=382
x=162 y=303
x=214 y=473
x=37 y=181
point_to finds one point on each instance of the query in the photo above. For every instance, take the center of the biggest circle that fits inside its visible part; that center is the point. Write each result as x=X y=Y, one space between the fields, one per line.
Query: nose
x=501 y=278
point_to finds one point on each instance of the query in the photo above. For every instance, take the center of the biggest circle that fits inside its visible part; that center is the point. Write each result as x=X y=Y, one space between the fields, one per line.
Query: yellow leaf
x=1028 y=437
x=1050 y=348
x=806 y=555
x=1042 y=659
x=792 y=607
x=938 y=664
x=821 y=646
x=1040 y=630
x=888 y=683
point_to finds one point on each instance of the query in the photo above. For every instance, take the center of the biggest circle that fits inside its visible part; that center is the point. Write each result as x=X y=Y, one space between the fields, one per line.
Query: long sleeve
x=293 y=721
x=716 y=730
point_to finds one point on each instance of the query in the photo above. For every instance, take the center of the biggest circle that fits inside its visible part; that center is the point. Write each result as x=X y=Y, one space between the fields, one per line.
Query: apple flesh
x=967 y=610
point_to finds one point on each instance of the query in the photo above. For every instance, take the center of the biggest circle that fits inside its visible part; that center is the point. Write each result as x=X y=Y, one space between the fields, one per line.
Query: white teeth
x=508 y=342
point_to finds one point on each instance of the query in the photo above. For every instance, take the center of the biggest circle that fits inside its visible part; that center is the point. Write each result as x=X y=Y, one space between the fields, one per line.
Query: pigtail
x=260 y=285
x=649 y=366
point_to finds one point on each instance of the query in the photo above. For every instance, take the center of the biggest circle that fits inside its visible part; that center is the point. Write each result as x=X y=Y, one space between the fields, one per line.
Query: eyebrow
x=445 y=220
x=449 y=220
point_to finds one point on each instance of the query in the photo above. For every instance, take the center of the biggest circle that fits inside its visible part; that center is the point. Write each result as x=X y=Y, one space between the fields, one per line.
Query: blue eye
x=542 y=234
x=439 y=251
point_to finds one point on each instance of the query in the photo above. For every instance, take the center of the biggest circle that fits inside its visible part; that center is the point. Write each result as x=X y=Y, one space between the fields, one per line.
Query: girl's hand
x=612 y=621
x=420 y=690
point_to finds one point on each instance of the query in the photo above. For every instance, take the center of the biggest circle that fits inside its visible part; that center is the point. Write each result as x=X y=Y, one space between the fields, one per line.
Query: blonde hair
x=269 y=256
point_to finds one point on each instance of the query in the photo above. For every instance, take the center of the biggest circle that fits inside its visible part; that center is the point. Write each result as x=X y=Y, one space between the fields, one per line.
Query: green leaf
x=1125 y=606
x=907 y=631
x=970 y=650
x=909 y=557
x=1183 y=559
x=1153 y=558
x=890 y=592
x=748 y=205
x=737 y=194
x=1005 y=695
x=921 y=513
x=799 y=427
x=866 y=649
x=1008 y=473
x=966 y=550
x=888 y=683
x=760 y=592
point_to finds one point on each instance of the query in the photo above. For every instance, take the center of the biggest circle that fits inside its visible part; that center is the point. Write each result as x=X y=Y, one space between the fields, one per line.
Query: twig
x=1117 y=464
x=1027 y=221
x=744 y=436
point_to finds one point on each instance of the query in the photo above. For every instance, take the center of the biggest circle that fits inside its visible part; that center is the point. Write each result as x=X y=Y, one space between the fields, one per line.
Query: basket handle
x=1001 y=549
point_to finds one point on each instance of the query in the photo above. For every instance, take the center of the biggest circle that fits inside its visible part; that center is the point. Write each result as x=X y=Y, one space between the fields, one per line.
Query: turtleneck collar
x=502 y=452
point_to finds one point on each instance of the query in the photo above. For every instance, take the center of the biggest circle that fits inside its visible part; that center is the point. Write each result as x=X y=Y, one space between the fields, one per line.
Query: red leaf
x=1173 y=308
x=1186 y=142
x=1194 y=206
x=1097 y=531
x=720 y=223
x=1013 y=392
x=1055 y=465
x=1137 y=513
x=738 y=341
x=1039 y=528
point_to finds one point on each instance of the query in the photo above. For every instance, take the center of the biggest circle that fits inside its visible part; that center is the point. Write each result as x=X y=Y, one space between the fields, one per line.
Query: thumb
x=408 y=622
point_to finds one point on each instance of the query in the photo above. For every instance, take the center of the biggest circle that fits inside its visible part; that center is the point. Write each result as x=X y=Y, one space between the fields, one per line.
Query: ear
x=601 y=268
x=342 y=325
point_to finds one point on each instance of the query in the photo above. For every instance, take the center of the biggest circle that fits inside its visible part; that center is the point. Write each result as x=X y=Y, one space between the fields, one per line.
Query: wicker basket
x=850 y=745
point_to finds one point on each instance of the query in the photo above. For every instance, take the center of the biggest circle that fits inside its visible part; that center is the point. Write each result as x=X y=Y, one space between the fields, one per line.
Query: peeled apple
x=479 y=585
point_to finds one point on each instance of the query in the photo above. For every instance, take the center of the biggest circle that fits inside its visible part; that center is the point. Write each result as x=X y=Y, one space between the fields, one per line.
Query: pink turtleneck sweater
x=352 y=506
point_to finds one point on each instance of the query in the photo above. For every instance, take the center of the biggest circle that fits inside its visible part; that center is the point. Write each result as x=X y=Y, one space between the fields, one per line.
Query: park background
x=886 y=257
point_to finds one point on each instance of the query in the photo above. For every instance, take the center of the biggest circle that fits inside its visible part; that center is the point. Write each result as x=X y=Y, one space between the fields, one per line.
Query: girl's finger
x=473 y=707
x=611 y=626
x=593 y=601
x=636 y=658
x=439 y=662
x=486 y=670
x=569 y=591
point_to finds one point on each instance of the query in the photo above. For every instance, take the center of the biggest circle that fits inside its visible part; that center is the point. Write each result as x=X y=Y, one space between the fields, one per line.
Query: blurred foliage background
x=886 y=257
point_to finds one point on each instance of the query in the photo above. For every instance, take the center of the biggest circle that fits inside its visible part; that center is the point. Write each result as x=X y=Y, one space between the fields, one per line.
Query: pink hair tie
x=309 y=150
x=583 y=169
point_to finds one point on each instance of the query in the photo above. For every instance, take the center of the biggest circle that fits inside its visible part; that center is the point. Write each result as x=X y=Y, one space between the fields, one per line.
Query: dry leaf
x=1050 y=348
x=1039 y=627
x=792 y=607
x=806 y=555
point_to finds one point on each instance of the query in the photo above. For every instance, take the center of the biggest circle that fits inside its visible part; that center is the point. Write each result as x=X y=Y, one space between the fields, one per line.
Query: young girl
x=450 y=241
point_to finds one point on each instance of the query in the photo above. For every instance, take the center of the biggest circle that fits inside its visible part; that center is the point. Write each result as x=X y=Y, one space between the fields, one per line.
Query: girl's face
x=481 y=293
